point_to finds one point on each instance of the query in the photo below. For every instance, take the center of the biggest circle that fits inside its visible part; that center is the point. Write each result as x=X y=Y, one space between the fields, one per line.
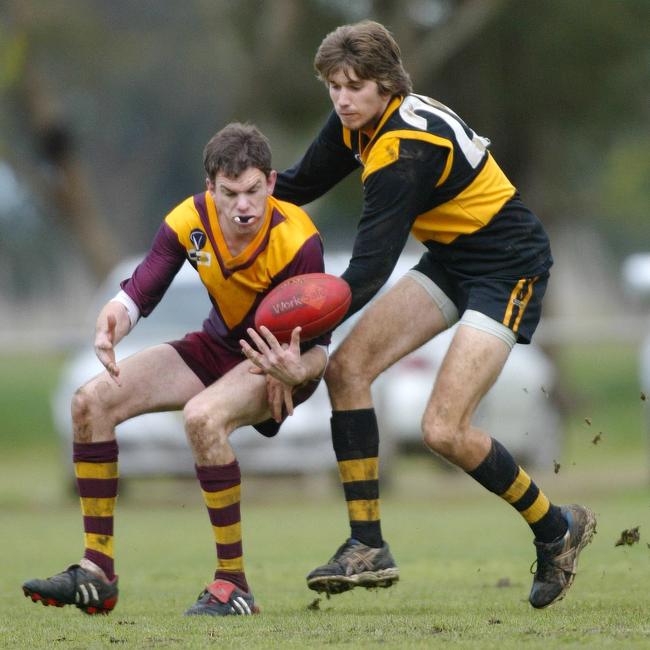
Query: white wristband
x=132 y=309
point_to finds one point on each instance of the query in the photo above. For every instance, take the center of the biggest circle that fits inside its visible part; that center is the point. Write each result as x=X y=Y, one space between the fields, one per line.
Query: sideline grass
x=464 y=557
x=454 y=543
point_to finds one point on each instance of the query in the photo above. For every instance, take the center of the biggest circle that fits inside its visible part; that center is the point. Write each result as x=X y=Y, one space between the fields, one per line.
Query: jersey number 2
x=473 y=146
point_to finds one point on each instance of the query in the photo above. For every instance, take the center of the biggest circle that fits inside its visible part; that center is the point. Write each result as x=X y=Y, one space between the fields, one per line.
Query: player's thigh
x=154 y=379
x=471 y=366
x=396 y=323
x=238 y=398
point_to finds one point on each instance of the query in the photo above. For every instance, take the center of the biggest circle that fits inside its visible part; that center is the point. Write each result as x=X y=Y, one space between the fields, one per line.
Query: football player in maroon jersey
x=242 y=242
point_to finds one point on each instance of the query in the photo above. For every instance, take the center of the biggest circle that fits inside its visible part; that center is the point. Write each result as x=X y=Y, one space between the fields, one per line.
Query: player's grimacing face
x=241 y=201
x=358 y=102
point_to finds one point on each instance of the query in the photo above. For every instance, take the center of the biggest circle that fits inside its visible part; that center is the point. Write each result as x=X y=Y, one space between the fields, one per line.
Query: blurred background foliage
x=105 y=108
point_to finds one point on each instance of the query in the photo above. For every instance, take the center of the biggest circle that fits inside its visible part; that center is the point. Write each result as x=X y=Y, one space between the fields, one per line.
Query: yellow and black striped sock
x=356 y=444
x=500 y=474
x=95 y=466
x=221 y=485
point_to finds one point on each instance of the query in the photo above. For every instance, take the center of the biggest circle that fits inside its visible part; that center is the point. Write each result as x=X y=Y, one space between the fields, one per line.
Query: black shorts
x=513 y=300
x=210 y=360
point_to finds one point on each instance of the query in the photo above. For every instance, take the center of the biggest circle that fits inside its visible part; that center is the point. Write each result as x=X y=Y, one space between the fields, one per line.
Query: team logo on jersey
x=198 y=239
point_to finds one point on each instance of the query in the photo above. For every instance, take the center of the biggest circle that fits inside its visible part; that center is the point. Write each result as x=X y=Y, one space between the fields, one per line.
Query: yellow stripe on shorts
x=524 y=304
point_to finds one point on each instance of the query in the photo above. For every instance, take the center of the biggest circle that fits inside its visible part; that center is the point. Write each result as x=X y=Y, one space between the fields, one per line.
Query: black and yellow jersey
x=287 y=244
x=424 y=172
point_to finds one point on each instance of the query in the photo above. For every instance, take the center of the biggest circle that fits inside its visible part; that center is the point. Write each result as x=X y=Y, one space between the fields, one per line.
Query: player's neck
x=237 y=243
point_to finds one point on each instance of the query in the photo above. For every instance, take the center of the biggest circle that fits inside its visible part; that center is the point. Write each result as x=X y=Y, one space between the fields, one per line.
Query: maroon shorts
x=210 y=360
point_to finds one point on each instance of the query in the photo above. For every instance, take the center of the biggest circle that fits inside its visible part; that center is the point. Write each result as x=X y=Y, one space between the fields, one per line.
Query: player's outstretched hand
x=105 y=345
x=278 y=362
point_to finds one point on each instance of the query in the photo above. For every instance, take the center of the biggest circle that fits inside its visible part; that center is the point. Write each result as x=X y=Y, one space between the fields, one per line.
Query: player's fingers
x=104 y=355
x=258 y=340
x=261 y=364
x=114 y=371
x=275 y=397
x=246 y=348
x=295 y=338
x=288 y=398
x=272 y=341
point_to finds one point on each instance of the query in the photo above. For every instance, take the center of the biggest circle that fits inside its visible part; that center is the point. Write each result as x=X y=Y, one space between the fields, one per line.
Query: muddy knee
x=205 y=433
x=92 y=419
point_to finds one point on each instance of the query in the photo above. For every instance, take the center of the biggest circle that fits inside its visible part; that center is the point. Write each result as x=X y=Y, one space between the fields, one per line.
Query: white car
x=155 y=443
x=636 y=282
x=520 y=410
x=517 y=410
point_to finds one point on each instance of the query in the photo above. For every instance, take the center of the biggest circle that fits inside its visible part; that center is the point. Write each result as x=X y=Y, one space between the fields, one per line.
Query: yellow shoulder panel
x=386 y=151
x=182 y=219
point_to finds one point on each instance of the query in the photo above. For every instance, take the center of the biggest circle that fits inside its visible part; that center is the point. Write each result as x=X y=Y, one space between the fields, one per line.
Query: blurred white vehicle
x=155 y=443
x=636 y=281
x=517 y=410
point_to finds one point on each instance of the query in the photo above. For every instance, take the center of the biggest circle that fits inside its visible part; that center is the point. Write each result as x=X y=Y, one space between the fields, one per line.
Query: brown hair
x=368 y=49
x=234 y=149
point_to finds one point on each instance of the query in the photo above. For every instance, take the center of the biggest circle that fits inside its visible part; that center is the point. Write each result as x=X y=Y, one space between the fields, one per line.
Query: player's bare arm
x=112 y=325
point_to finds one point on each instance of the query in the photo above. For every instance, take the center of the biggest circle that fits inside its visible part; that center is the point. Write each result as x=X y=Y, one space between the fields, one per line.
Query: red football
x=314 y=301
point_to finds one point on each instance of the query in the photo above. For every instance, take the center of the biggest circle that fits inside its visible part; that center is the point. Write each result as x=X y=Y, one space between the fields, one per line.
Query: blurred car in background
x=518 y=410
x=155 y=443
x=636 y=283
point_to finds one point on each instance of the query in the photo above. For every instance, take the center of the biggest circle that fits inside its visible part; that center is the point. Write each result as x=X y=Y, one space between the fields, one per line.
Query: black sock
x=500 y=474
x=355 y=437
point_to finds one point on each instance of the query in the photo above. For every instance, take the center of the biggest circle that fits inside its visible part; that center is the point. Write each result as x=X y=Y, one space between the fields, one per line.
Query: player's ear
x=209 y=185
x=270 y=181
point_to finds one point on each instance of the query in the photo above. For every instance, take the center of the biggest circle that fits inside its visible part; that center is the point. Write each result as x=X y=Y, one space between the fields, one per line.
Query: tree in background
x=104 y=103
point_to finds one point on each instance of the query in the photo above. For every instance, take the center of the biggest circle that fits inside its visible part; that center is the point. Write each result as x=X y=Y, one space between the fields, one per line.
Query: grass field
x=464 y=555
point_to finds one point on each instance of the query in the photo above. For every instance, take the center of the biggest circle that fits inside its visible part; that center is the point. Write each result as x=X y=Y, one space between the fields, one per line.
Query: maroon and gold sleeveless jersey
x=287 y=244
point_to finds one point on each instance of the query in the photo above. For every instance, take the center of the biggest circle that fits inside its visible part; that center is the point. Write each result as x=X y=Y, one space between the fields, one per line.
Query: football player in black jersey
x=485 y=266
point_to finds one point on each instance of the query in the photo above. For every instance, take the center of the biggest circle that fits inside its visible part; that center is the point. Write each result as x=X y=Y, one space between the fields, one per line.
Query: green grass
x=601 y=389
x=26 y=385
x=455 y=544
